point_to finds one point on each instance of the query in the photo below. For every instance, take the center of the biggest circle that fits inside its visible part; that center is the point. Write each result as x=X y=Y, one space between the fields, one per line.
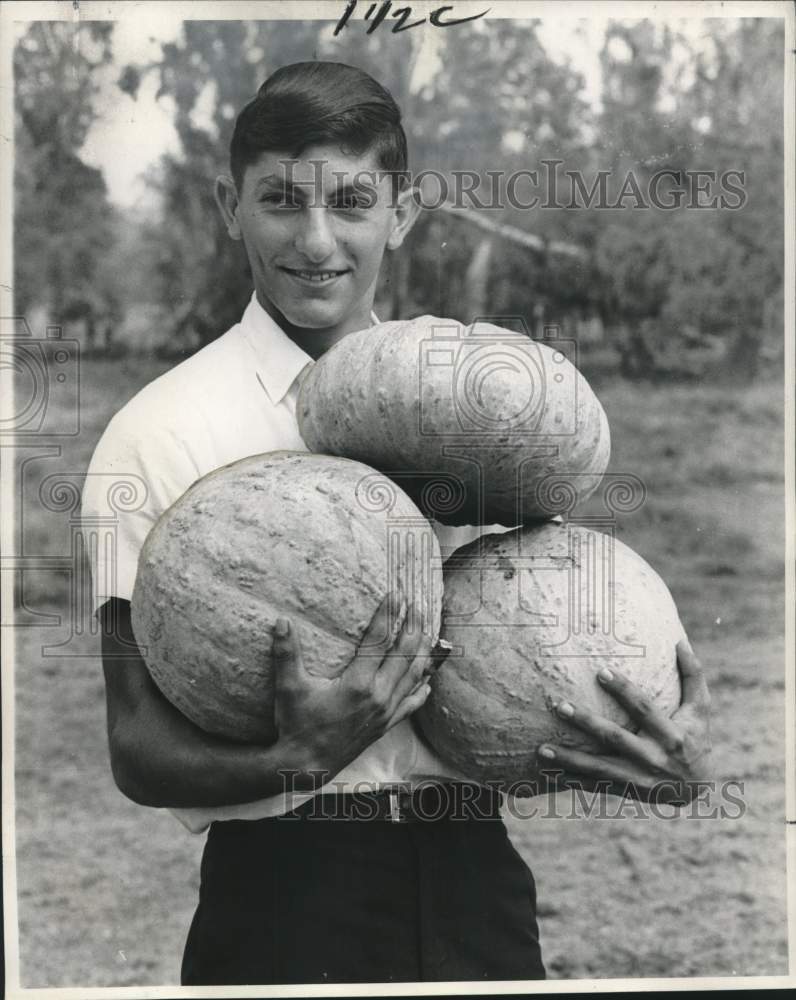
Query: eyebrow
x=279 y=180
x=343 y=189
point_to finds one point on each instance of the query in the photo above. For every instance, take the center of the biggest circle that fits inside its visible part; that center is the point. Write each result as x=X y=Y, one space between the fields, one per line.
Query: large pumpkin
x=319 y=540
x=533 y=614
x=478 y=424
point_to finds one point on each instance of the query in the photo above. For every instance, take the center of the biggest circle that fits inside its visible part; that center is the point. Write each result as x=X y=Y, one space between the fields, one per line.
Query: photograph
x=397 y=522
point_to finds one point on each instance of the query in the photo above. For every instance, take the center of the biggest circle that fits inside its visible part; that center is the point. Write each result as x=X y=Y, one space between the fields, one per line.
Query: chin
x=313 y=315
x=312 y=319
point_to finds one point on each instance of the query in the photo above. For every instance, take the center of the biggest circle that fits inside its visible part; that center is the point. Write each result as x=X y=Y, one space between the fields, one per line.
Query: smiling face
x=315 y=230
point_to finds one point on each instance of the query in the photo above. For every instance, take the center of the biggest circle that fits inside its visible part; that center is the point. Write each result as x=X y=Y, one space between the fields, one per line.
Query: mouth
x=314 y=277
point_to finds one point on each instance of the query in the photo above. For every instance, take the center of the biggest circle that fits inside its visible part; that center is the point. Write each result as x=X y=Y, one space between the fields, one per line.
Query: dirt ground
x=106 y=888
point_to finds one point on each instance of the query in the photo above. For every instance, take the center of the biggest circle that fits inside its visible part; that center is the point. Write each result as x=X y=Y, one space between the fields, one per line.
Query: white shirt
x=234 y=398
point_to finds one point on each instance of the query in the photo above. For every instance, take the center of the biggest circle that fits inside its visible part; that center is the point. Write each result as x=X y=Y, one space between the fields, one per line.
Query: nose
x=315 y=239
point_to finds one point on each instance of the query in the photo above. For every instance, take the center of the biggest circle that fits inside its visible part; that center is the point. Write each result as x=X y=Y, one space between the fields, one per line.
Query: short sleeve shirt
x=234 y=398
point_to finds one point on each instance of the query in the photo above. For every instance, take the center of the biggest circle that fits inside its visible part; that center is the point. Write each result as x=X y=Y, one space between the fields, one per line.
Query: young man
x=292 y=893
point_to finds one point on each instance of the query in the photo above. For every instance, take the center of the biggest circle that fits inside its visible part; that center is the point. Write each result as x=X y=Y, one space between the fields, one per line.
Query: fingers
x=409 y=705
x=614 y=737
x=287 y=664
x=378 y=639
x=285 y=649
x=570 y=769
x=423 y=667
x=558 y=780
x=408 y=660
x=642 y=710
x=408 y=665
x=692 y=676
x=411 y=662
x=577 y=764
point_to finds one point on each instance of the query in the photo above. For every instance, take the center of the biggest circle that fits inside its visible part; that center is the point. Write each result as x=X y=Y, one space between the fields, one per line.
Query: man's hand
x=330 y=721
x=669 y=753
x=160 y=758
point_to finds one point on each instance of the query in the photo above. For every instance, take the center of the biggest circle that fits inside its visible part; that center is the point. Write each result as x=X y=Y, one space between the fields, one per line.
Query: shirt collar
x=279 y=360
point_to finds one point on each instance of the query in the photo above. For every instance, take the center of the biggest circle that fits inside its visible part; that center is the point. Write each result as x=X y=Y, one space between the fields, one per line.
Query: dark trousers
x=309 y=900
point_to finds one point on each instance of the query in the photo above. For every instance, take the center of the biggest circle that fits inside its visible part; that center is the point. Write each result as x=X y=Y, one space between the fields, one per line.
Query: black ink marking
x=435 y=15
x=349 y=10
x=401 y=15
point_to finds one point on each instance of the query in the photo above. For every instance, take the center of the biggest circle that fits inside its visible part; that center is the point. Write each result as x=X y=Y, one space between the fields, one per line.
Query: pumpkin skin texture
x=520 y=610
x=478 y=424
x=315 y=539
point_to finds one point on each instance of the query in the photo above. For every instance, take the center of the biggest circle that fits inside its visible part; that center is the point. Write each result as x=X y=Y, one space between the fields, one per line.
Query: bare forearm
x=160 y=758
x=168 y=762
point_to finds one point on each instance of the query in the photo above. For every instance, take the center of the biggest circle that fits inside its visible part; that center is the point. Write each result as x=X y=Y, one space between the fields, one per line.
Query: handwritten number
x=349 y=10
x=402 y=15
x=383 y=11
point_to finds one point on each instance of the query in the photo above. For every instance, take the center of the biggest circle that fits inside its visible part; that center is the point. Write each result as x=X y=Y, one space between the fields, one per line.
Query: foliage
x=695 y=271
x=485 y=97
x=64 y=222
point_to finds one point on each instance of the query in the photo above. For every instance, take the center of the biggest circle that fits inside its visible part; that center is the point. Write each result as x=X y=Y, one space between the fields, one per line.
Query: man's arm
x=160 y=758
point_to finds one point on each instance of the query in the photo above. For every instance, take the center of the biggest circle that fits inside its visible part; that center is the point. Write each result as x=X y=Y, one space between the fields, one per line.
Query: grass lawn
x=106 y=889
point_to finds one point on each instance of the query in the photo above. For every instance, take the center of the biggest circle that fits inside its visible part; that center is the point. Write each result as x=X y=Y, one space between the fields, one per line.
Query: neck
x=316 y=341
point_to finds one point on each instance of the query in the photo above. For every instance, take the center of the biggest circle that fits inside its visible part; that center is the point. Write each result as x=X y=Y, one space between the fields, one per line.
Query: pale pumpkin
x=533 y=614
x=315 y=539
x=478 y=424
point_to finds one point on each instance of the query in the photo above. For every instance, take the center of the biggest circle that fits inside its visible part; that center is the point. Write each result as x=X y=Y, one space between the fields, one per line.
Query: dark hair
x=313 y=103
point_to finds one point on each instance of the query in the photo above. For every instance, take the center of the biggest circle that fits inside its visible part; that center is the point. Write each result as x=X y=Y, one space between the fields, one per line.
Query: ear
x=228 y=204
x=406 y=209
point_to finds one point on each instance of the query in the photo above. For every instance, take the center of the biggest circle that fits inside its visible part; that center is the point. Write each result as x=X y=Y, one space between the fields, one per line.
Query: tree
x=487 y=97
x=675 y=276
